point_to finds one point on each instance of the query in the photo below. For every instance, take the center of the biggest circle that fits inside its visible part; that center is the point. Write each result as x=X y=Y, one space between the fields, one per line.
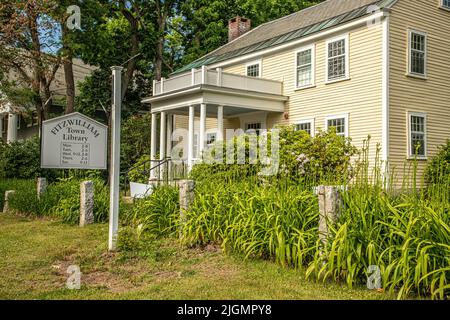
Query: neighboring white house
x=20 y=122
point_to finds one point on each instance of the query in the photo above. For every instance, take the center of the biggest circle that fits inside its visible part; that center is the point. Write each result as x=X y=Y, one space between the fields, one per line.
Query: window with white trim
x=253 y=126
x=337 y=59
x=417 y=134
x=445 y=4
x=340 y=123
x=417 y=53
x=304 y=71
x=305 y=125
x=211 y=137
x=254 y=69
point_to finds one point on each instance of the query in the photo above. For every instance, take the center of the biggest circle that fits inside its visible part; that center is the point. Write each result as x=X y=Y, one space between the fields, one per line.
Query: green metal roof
x=286 y=37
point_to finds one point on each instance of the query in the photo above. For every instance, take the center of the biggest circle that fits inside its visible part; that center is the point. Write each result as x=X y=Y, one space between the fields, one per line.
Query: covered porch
x=209 y=94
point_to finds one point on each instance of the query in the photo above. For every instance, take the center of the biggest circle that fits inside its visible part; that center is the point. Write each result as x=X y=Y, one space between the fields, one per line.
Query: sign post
x=115 y=158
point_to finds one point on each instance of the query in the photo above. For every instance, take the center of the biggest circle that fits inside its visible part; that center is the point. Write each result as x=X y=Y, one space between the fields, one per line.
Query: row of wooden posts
x=330 y=203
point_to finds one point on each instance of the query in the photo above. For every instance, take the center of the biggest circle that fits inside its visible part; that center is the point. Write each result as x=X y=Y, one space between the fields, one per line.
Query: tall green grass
x=273 y=221
x=61 y=199
x=157 y=215
x=405 y=232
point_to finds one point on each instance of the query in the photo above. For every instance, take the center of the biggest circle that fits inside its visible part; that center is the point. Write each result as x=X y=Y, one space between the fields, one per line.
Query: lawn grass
x=35 y=254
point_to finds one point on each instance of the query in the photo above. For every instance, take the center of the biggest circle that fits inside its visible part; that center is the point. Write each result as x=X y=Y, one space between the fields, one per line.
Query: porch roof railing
x=217 y=78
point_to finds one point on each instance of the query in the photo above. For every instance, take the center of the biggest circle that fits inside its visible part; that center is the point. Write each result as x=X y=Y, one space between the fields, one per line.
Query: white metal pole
x=202 y=136
x=220 y=123
x=191 y=136
x=115 y=158
x=153 y=147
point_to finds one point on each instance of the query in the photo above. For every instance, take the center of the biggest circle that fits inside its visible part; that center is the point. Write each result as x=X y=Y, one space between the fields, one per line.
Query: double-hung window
x=337 y=51
x=445 y=4
x=417 y=60
x=254 y=69
x=210 y=138
x=340 y=123
x=304 y=71
x=417 y=125
x=306 y=125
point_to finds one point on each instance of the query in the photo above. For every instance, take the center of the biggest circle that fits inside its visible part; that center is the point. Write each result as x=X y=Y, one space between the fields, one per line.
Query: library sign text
x=73 y=141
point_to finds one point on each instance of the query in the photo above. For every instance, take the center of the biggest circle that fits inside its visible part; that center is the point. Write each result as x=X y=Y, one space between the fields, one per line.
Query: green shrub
x=21 y=159
x=438 y=169
x=324 y=157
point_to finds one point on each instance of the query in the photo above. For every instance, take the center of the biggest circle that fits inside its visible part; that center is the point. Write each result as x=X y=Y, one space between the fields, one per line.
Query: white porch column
x=191 y=137
x=162 y=138
x=169 y=135
x=220 y=123
x=12 y=128
x=169 y=144
x=202 y=135
x=162 y=145
x=153 y=147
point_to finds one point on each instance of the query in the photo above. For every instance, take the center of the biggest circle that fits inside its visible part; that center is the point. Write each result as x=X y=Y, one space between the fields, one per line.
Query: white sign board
x=74 y=141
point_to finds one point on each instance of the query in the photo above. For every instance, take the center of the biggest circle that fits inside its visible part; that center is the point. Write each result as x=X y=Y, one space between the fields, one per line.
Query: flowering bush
x=325 y=157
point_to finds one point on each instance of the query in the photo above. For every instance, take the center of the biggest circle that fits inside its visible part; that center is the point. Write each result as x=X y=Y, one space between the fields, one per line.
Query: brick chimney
x=237 y=27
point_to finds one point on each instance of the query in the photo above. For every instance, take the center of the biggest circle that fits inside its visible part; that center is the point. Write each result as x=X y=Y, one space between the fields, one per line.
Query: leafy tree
x=26 y=31
x=135 y=139
x=205 y=26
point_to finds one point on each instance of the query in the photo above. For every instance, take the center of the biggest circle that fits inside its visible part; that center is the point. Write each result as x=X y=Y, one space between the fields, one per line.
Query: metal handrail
x=159 y=164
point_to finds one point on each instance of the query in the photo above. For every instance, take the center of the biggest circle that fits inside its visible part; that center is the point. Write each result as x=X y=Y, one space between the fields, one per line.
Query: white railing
x=217 y=78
